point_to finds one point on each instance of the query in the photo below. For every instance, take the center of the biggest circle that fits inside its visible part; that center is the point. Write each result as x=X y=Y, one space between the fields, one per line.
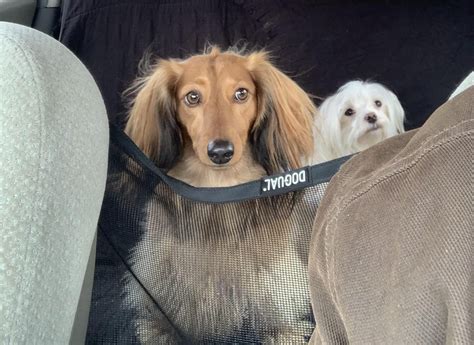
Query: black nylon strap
x=314 y=175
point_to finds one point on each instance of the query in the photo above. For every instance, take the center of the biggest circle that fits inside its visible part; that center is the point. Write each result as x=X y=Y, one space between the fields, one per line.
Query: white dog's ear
x=328 y=127
x=395 y=112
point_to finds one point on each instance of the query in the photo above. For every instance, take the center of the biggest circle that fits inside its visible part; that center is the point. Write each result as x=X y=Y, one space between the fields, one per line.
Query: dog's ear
x=152 y=123
x=282 y=134
x=328 y=127
x=395 y=111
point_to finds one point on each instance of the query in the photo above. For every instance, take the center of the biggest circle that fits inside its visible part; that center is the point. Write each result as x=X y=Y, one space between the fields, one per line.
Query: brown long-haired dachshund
x=221 y=118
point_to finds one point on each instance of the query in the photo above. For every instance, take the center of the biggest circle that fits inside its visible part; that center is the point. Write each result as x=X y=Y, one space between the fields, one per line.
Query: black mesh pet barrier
x=177 y=264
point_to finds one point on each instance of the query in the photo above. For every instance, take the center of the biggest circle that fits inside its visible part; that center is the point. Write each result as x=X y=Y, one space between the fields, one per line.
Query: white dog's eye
x=192 y=98
x=378 y=103
x=349 y=112
x=241 y=94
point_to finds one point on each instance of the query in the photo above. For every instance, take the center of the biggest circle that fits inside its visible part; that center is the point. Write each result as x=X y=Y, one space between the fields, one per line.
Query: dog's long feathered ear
x=152 y=123
x=329 y=127
x=282 y=134
x=396 y=112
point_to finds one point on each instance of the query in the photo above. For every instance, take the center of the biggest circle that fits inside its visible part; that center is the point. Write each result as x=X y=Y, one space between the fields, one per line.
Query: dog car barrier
x=178 y=264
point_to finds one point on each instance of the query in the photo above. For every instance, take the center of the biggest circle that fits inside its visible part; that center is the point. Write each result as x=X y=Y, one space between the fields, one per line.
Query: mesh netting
x=176 y=264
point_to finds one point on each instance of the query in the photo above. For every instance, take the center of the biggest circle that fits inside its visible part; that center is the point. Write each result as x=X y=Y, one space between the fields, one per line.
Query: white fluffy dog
x=358 y=116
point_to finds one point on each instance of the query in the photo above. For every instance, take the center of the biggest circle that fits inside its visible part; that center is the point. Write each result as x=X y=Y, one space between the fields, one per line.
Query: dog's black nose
x=220 y=151
x=371 y=118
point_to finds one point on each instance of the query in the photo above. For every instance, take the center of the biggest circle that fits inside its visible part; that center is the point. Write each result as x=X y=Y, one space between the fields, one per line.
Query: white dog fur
x=358 y=116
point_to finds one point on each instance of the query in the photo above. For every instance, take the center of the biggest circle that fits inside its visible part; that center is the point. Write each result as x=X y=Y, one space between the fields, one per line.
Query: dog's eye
x=378 y=103
x=349 y=112
x=241 y=94
x=192 y=98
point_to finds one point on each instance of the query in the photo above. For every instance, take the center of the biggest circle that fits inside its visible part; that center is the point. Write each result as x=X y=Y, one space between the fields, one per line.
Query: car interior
x=422 y=49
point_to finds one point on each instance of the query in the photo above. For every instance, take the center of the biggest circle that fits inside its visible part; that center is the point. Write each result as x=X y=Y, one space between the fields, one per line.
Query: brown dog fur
x=221 y=270
x=270 y=131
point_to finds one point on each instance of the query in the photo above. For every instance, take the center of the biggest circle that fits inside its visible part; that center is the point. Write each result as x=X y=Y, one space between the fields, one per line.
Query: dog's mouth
x=373 y=128
x=220 y=166
x=214 y=166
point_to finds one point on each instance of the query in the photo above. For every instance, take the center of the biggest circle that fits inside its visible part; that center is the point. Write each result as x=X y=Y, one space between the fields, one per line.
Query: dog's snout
x=371 y=118
x=220 y=151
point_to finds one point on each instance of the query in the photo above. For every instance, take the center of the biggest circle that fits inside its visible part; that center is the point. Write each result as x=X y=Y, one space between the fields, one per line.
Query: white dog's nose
x=371 y=118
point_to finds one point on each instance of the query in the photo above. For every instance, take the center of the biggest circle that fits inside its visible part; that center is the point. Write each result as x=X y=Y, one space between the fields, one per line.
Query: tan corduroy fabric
x=391 y=256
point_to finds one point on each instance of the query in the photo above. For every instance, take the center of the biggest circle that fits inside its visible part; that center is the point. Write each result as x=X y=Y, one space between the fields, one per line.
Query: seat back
x=53 y=164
